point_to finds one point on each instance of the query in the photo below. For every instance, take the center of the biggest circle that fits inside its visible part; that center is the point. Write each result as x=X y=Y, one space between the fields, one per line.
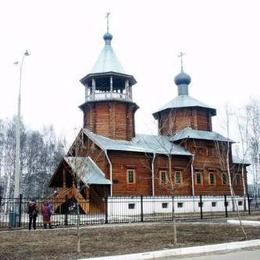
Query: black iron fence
x=14 y=212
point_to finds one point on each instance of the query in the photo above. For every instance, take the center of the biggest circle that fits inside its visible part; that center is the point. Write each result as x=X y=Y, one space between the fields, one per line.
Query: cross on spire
x=107 y=17
x=180 y=55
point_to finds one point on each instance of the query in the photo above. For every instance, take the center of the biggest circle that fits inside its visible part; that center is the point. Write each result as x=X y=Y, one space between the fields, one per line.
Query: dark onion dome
x=108 y=36
x=182 y=79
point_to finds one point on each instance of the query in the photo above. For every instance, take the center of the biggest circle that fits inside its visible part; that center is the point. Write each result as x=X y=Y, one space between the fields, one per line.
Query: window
x=238 y=180
x=163 y=177
x=130 y=176
x=212 y=178
x=240 y=203
x=213 y=204
x=198 y=178
x=165 y=205
x=178 y=177
x=131 y=206
x=180 y=204
x=224 y=179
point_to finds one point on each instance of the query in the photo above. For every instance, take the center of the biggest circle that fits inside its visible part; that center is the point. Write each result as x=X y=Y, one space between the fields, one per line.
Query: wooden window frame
x=181 y=180
x=238 y=179
x=128 y=174
x=226 y=182
x=166 y=177
x=201 y=178
x=214 y=178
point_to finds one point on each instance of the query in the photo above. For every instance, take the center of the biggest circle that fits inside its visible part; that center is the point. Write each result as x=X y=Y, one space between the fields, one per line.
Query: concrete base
x=184 y=251
x=244 y=222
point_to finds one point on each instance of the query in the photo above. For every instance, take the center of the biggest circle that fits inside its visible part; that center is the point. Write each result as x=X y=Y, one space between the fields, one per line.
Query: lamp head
x=26 y=53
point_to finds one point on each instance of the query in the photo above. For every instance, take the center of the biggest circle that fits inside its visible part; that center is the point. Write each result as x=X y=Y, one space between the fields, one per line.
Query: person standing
x=50 y=206
x=33 y=213
x=46 y=215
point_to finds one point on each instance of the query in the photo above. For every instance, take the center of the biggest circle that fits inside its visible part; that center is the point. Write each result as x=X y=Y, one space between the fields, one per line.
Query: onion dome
x=108 y=37
x=182 y=79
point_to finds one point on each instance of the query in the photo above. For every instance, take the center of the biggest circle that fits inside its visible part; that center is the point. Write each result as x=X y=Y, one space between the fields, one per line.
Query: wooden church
x=108 y=158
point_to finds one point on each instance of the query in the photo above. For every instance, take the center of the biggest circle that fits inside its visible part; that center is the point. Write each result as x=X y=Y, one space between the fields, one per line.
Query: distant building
x=185 y=158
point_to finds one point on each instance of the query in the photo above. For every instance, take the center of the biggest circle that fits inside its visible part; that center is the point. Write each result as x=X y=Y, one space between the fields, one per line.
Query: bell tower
x=109 y=109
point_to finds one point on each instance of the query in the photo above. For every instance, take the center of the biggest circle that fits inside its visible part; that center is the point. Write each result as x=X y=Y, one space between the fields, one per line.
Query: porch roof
x=87 y=170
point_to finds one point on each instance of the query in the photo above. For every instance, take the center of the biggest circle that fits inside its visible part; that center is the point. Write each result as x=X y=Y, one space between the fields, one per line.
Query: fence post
x=201 y=205
x=249 y=206
x=142 y=209
x=106 y=210
x=226 y=204
x=66 y=211
x=173 y=215
x=20 y=209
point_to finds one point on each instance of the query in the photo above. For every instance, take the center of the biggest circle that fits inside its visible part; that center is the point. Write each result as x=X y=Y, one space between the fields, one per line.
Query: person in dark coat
x=33 y=213
x=46 y=214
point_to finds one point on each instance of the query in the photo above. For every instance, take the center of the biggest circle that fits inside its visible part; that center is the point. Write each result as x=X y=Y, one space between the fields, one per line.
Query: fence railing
x=13 y=212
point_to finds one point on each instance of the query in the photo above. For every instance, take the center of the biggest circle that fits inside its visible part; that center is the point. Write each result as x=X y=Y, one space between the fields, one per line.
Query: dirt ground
x=114 y=239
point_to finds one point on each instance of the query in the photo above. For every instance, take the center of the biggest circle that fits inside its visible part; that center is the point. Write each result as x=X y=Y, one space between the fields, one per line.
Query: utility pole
x=17 y=176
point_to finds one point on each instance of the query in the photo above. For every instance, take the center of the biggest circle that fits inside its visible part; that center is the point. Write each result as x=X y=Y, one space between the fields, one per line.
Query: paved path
x=250 y=254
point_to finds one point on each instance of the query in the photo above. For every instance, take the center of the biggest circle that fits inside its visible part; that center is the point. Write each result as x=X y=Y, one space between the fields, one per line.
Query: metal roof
x=140 y=143
x=107 y=61
x=237 y=160
x=184 y=101
x=87 y=170
x=198 y=134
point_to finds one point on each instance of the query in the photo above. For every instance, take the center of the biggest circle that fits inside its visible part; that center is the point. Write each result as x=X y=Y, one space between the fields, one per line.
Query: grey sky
x=220 y=38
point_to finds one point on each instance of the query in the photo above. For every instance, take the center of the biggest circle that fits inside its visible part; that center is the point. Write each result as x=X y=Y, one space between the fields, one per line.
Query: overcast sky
x=220 y=38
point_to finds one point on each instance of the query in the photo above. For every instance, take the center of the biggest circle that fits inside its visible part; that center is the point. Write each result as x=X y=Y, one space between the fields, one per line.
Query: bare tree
x=253 y=112
x=39 y=157
x=228 y=160
x=243 y=128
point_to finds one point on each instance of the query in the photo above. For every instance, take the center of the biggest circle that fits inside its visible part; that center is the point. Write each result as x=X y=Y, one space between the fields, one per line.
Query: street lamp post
x=18 y=125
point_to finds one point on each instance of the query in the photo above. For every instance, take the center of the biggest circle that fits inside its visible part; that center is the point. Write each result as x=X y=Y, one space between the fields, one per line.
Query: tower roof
x=184 y=101
x=107 y=64
x=107 y=60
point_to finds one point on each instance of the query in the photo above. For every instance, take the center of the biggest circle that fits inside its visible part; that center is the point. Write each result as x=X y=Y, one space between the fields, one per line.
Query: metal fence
x=13 y=212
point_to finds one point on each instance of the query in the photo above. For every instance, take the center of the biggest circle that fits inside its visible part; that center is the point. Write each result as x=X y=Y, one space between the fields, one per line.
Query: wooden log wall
x=173 y=120
x=113 y=119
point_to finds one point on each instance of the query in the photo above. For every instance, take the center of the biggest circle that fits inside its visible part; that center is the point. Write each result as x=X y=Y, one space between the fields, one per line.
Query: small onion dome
x=182 y=79
x=107 y=36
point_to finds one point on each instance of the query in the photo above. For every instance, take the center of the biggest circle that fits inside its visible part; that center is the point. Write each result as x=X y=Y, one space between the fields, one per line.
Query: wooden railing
x=108 y=95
